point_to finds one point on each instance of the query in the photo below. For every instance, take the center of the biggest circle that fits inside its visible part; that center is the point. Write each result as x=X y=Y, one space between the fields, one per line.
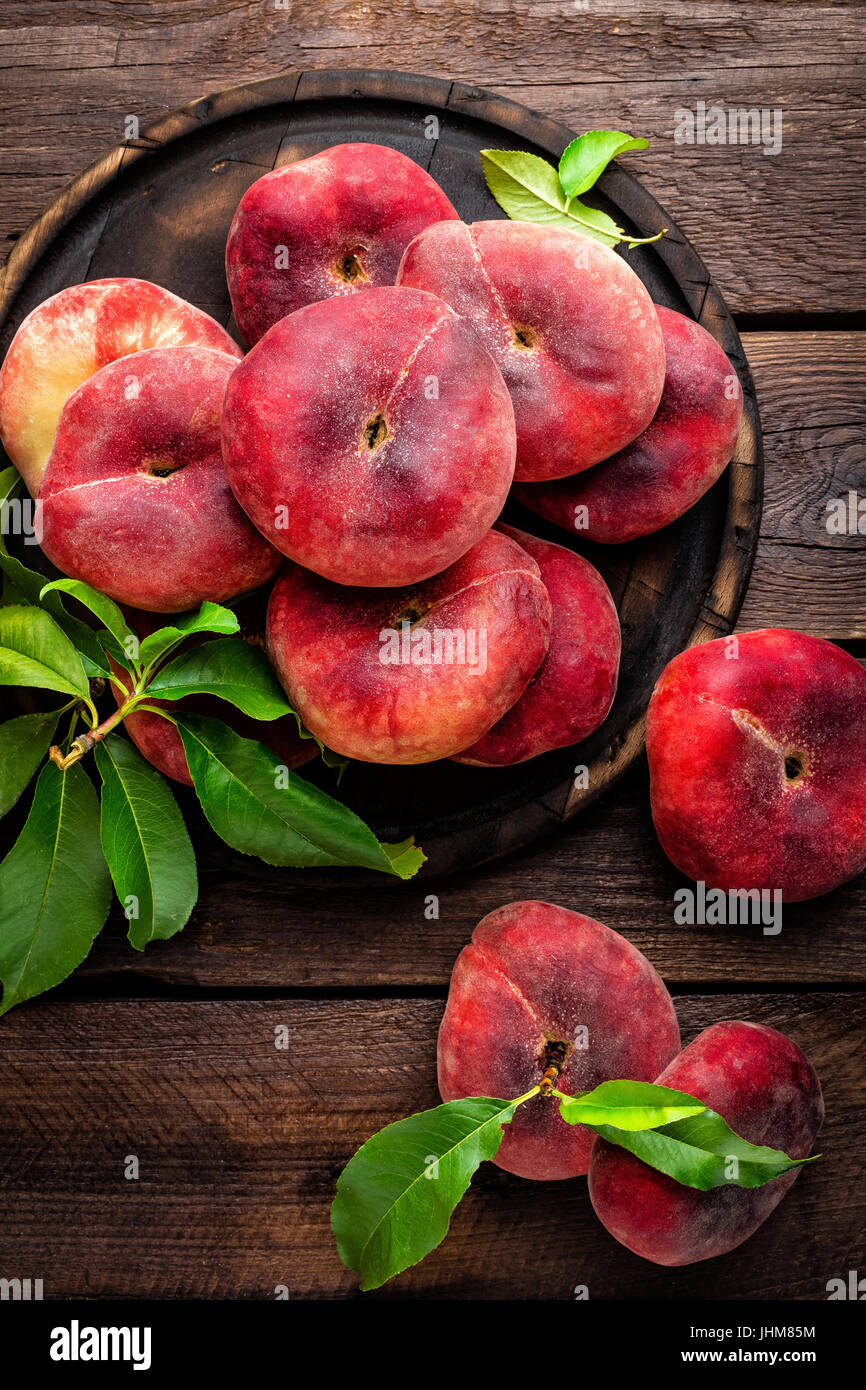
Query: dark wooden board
x=781 y=232
x=240 y=1145
x=160 y=206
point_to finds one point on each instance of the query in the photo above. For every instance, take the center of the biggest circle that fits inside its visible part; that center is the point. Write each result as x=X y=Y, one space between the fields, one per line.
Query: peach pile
x=542 y=987
x=405 y=369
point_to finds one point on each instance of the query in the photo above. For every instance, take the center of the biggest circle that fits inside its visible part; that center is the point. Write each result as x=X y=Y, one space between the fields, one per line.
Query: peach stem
x=85 y=742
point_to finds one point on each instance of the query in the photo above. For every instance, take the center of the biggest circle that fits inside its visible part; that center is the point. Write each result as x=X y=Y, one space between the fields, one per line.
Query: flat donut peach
x=537 y=986
x=334 y=223
x=571 y=692
x=413 y=674
x=767 y=1091
x=757 y=759
x=135 y=499
x=370 y=438
x=574 y=332
x=68 y=338
x=669 y=467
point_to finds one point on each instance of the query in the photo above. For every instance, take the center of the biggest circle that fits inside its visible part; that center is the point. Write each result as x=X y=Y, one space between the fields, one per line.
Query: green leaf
x=631 y=1105
x=145 y=843
x=528 y=189
x=257 y=809
x=105 y=609
x=55 y=890
x=211 y=617
x=24 y=586
x=229 y=668
x=396 y=1195
x=34 y=651
x=702 y=1151
x=23 y=744
x=587 y=157
x=228 y=671
x=10 y=481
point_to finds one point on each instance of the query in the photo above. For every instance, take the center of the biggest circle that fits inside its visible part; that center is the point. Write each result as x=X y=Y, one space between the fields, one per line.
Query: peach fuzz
x=135 y=498
x=572 y=328
x=331 y=224
x=159 y=741
x=370 y=438
x=361 y=666
x=68 y=338
x=571 y=692
x=669 y=467
x=757 y=760
x=540 y=985
x=767 y=1092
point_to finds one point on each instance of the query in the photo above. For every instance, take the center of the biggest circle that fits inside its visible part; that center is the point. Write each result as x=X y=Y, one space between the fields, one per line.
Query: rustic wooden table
x=171 y=1056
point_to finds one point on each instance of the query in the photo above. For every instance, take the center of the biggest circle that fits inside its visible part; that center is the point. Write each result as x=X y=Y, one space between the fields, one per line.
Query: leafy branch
x=395 y=1197
x=56 y=882
x=530 y=189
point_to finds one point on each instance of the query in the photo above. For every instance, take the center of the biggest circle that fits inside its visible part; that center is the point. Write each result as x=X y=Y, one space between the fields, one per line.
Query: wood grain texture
x=812 y=392
x=781 y=232
x=240 y=1145
x=276 y=930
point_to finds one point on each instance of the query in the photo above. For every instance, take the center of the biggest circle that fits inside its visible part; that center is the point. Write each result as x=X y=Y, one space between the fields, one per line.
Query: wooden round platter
x=159 y=206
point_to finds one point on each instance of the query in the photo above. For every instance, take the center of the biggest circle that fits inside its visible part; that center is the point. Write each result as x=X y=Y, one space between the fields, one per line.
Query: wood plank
x=271 y=929
x=240 y=1145
x=813 y=414
x=760 y=221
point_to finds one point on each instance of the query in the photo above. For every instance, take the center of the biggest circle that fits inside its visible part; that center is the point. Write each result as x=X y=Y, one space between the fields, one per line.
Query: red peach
x=539 y=985
x=669 y=467
x=68 y=338
x=572 y=328
x=135 y=498
x=159 y=741
x=572 y=691
x=370 y=438
x=767 y=1092
x=757 y=758
x=409 y=675
x=331 y=224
